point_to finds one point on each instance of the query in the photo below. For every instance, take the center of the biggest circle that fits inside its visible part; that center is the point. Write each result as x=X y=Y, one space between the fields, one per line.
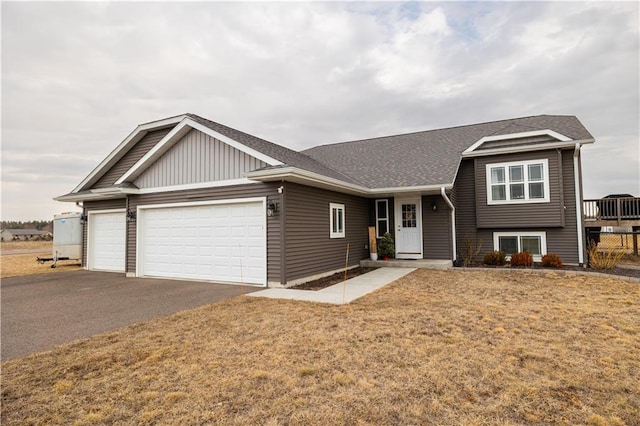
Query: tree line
x=40 y=225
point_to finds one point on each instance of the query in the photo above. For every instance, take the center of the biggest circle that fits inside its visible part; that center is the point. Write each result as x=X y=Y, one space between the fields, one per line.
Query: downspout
x=576 y=178
x=453 y=223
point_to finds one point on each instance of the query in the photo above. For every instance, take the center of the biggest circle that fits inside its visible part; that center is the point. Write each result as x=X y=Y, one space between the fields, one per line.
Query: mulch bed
x=336 y=278
x=617 y=271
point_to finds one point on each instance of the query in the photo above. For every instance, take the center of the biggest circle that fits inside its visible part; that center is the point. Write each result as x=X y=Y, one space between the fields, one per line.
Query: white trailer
x=67 y=238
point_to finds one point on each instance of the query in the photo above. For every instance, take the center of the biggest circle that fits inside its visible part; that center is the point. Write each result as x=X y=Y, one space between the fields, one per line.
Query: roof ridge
x=436 y=130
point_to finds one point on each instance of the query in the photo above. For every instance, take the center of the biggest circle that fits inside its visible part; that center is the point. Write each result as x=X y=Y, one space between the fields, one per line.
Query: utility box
x=67 y=236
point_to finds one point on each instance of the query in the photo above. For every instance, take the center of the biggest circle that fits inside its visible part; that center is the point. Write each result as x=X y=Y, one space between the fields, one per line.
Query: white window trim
x=526 y=199
x=340 y=233
x=386 y=206
x=542 y=235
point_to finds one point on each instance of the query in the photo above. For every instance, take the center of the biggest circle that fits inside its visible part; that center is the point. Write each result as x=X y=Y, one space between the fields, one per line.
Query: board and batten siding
x=268 y=190
x=561 y=239
x=131 y=157
x=196 y=158
x=309 y=250
x=525 y=214
x=88 y=206
x=436 y=228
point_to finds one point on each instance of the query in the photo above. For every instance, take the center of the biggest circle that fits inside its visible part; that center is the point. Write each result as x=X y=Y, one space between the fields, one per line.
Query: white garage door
x=221 y=242
x=107 y=241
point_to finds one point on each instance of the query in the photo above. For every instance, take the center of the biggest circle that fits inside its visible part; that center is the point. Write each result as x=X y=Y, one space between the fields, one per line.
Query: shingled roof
x=429 y=157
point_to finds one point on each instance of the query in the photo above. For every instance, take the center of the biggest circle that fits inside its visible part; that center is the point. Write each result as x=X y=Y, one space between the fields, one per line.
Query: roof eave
x=97 y=194
x=526 y=148
x=297 y=175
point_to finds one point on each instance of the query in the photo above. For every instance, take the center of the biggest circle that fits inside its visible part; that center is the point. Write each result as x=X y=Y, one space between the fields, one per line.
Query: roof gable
x=197 y=158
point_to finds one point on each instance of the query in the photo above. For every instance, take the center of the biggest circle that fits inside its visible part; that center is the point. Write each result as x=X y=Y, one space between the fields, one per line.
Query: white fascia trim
x=201 y=185
x=410 y=189
x=95 y=196
x=518 y=135
x=134 y=136
x=289 y=172
x=176 y=134
x=525 y=148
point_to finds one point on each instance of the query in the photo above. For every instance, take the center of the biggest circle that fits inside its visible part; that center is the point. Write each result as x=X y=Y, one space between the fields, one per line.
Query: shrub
x=497 y=257
x=551 y=260
x=471 y=251
x=606 y=259
x=522 y=258
x=386 y=247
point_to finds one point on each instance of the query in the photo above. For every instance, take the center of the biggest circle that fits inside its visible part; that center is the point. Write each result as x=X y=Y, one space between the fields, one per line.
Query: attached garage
x=107 y=240
x=223 y=241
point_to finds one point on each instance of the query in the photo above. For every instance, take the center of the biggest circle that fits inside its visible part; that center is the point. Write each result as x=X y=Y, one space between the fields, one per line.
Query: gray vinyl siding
x=119 y=203
x=223 y=193
x=131 y=157
x=196 y=158
x=516 y=215
x=561 y=239
x=436 y=228
x=308 y=249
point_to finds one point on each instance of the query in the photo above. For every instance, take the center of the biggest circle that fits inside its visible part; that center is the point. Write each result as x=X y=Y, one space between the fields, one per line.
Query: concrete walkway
x=340 y=294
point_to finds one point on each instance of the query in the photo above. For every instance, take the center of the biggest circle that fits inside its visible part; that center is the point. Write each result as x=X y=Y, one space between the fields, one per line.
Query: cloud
x=80 y=76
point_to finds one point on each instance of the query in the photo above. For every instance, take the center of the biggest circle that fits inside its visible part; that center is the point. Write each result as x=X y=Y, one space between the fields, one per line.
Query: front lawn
x=436 y=347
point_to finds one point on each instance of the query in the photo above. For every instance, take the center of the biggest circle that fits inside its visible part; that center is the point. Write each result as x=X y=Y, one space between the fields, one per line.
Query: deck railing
x=612 y=209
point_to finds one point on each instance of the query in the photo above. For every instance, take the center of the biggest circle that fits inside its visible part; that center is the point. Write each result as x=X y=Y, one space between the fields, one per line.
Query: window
x=382 y=217
x=512 y=242
x=336 y=219
x=518 y=182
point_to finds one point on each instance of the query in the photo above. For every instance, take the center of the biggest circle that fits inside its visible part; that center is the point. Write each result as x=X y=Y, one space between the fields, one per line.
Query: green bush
x=551 y=260
x=522 y=258
x=497 y=258
x=386 y=247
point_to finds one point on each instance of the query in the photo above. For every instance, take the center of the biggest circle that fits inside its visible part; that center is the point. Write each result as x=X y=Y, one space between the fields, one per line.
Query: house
x=188 y=198
x=21 y=234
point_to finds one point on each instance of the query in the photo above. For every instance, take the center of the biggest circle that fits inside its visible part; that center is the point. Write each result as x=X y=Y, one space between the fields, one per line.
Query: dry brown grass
x=14 y=265
x=436 y=347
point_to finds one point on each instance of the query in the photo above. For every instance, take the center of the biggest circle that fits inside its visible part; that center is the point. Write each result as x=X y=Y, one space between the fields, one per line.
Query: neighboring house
x=20 y=234
x=185 y=197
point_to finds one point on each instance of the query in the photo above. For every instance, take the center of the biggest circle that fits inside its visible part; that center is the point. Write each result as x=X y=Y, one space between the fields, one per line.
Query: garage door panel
x=107 y=241
x=222 y=242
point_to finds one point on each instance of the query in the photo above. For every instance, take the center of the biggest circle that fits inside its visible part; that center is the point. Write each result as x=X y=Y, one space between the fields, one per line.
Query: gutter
x=309 y=178
x=453 y=223
x=578 y=188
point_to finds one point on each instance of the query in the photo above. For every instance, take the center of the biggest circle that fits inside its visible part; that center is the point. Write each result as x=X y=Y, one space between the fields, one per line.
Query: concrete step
x=402 y=263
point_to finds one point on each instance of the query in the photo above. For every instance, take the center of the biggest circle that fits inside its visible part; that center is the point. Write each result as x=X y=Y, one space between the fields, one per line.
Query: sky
x=78 y=77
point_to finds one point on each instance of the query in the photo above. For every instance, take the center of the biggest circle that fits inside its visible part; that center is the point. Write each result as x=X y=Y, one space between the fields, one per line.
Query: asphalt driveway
x=39 y=312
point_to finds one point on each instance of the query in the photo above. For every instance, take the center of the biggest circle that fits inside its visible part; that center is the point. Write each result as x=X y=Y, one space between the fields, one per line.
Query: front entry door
x=408 y=219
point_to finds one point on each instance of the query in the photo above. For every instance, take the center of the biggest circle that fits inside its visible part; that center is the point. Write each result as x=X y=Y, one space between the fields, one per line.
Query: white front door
x=408 y=219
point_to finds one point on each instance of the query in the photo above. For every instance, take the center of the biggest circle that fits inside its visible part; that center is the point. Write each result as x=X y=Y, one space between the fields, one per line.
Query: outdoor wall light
x=131 y=216
x=83 y=219
x=272 y=208
x=434 y=206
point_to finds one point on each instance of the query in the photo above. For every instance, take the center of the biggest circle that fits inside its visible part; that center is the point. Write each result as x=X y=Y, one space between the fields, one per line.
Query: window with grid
x=518 y=182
